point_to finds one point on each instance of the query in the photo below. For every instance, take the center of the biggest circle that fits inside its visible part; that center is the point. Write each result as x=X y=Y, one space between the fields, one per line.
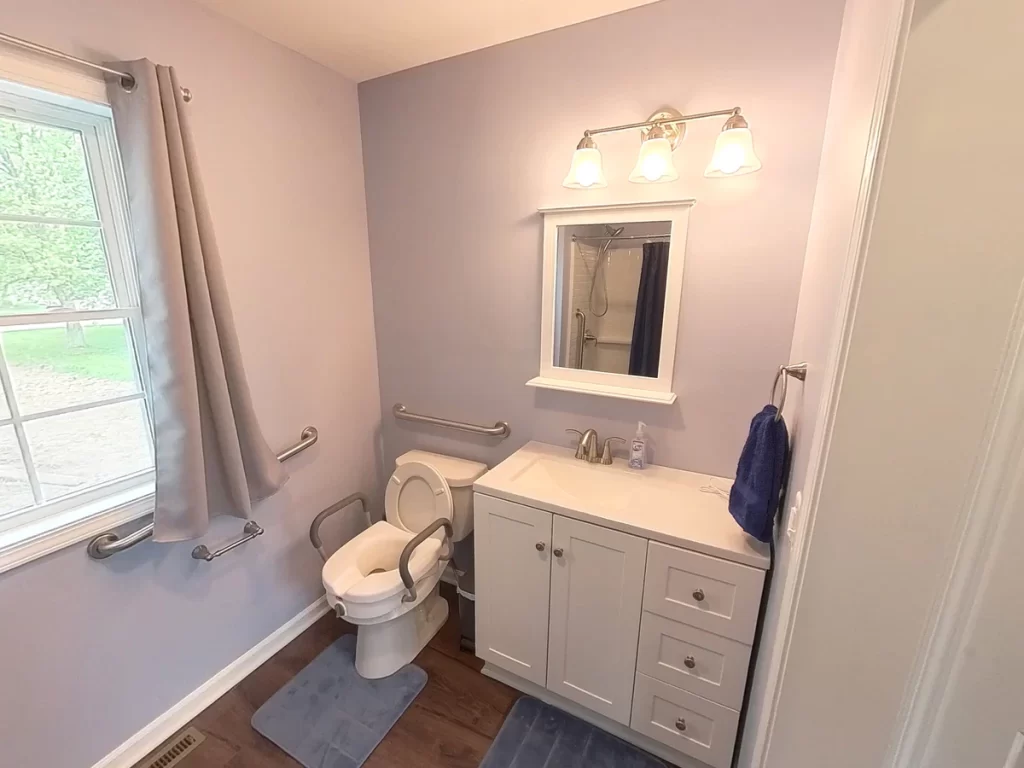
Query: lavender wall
x=459 y=155
x=91 y=652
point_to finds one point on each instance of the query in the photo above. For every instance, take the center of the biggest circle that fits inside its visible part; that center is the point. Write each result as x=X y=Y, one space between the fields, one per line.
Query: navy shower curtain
x=645 y=349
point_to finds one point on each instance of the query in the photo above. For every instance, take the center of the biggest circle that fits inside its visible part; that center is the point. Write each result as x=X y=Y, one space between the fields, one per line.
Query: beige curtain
x=211 y=457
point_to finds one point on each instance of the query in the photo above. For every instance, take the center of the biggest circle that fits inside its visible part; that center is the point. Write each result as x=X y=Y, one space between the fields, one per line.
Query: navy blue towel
x=754 y=498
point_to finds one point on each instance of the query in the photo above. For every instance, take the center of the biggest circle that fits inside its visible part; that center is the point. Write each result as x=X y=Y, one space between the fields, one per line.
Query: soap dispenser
x=638 y=448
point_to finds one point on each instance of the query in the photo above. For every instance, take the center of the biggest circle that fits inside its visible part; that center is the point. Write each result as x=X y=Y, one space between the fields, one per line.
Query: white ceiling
x=363 y=39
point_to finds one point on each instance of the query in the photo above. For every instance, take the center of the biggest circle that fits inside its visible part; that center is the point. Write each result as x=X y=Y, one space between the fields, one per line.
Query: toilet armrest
x=419 y=538
x=314 y=527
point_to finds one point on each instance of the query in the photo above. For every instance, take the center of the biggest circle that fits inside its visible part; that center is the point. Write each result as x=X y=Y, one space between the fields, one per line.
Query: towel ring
x=797 y=371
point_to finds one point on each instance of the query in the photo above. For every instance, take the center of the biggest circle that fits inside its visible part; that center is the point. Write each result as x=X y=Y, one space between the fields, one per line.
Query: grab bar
x=500 y=428
x=419 y=538
x=251 y=530
x=106 y=544
x=314 y=527
x=581 y=335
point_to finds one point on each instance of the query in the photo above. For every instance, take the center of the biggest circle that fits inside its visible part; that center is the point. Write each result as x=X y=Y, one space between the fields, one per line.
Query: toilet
x=362 y=580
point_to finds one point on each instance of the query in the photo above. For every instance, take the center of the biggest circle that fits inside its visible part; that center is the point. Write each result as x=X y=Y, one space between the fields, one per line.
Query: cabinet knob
x=541 y=546
x=689 y=662
x=698 y=595
x=680 y=724
x=557 y=552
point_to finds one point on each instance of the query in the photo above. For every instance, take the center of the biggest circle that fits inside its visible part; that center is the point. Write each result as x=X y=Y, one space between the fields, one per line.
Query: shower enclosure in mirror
x=611 y=291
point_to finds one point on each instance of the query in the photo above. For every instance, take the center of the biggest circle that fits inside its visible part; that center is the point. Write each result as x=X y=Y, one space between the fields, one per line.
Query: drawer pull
x=540 y=546
x=557 y=552
x=698 y=595
x=689 y=662
x=680 y=724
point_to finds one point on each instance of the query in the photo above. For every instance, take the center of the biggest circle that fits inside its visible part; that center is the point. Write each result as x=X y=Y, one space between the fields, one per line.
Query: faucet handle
x=606 y=451
x=580 y=448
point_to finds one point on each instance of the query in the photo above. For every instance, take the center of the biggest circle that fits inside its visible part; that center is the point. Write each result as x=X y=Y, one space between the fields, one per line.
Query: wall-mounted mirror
x=611 y=290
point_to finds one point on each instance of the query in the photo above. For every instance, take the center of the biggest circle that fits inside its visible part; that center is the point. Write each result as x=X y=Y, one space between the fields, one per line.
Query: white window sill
x=64 y=529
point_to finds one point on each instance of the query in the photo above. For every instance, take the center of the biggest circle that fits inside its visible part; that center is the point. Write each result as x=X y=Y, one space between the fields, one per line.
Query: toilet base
x=382 y=649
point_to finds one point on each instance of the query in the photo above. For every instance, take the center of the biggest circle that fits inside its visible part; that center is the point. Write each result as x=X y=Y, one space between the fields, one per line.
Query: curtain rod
x=127 y=80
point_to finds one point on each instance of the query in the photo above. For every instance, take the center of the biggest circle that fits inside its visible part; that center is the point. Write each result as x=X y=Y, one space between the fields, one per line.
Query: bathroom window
x=75 y=429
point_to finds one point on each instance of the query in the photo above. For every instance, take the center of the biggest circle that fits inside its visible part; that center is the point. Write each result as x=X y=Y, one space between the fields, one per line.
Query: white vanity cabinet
x=597 y=577
x=512 y=586
x=634 y=608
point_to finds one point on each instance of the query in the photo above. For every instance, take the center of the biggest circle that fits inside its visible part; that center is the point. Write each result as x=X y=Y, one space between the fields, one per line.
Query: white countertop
x=657 y=503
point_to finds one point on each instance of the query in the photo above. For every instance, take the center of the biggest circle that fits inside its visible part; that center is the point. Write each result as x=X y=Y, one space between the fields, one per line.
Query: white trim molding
x=51 y=533
x=896 y=25
x=174 y=719
x=997 y=494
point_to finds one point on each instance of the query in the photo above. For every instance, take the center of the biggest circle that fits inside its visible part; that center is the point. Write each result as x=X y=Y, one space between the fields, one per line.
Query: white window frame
x=72 y=100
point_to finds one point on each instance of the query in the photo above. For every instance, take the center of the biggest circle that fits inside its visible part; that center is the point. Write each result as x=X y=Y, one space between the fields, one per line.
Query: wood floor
x=451 y=723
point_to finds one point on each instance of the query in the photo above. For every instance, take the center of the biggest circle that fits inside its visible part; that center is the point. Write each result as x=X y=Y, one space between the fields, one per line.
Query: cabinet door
x=597 y=584
x=513 y=575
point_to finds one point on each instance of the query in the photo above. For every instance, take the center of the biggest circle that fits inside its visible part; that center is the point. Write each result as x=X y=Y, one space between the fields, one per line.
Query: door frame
x=997 y=491
x=896 y=30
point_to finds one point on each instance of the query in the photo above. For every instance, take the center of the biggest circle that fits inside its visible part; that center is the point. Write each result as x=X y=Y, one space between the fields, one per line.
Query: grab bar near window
x=109 y=543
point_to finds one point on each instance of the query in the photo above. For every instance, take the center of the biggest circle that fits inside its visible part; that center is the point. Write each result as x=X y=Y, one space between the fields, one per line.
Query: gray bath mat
x=330 y=717
x=536 y=734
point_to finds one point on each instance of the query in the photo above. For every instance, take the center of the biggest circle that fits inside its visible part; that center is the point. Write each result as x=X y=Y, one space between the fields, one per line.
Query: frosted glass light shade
x=654 y=162
x=586 y=171
x=734 y=154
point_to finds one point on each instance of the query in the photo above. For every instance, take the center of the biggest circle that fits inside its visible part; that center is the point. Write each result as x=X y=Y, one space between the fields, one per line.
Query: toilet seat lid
x=416 y=496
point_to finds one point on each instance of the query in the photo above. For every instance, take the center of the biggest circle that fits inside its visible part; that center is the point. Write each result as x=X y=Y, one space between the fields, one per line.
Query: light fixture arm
x=735 y=111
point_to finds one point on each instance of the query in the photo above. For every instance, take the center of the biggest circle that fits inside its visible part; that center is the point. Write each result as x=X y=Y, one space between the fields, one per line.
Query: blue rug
x=330 y=717
x=536 y=734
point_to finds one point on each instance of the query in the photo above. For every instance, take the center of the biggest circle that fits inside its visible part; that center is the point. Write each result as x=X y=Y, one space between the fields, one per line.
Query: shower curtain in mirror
x=645 y=349
x=210 y=453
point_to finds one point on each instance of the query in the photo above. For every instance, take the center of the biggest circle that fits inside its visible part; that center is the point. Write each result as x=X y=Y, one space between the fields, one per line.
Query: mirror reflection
x=611 y=296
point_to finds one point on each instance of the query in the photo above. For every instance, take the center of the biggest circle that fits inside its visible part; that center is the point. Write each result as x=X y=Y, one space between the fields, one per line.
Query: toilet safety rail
x=419 y=538
x=500 y=429
x=314 y=527
x=109 y=543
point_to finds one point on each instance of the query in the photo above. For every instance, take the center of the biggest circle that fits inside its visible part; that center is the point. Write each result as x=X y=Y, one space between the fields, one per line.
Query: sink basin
x=672 y=506
x=585 y=482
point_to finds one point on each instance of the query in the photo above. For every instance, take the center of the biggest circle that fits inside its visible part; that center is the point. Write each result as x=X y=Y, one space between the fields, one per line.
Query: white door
x=597 y=584
x=513 y=573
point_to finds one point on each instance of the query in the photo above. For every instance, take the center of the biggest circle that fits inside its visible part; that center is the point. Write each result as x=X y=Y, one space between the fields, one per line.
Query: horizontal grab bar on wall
x=109 y=543
x=500 y=428
x=251 y=530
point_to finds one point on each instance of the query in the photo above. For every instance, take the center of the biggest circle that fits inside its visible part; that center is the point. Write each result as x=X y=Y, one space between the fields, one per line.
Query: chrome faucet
x=586 y=448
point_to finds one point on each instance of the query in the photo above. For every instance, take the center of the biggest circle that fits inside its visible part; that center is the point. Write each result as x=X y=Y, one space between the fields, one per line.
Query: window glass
x=43 y=172
x=15 y=490
x=74 y=418
x=52 y=268
x=67 y=364
x=89 y=447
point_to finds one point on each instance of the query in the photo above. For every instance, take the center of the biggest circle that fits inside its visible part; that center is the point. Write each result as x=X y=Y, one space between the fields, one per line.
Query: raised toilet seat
x=363 y=583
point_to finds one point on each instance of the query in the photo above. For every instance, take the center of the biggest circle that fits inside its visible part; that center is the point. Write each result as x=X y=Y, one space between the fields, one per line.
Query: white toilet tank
x=460 y=475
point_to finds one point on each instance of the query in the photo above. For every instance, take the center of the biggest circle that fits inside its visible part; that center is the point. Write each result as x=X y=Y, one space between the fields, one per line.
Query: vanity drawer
x=709 y=665
x=684 y=721
x=703 y=591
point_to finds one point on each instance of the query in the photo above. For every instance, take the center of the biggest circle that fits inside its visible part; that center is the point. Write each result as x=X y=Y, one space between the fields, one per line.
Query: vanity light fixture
x=586 y=171
x=734 y=150
x=660 y=134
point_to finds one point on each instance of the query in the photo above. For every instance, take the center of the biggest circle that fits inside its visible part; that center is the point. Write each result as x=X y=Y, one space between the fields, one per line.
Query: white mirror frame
x=653 y=390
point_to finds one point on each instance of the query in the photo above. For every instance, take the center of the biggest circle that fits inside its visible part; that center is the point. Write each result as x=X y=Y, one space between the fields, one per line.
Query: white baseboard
x=614 y=728
x=175 y=718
